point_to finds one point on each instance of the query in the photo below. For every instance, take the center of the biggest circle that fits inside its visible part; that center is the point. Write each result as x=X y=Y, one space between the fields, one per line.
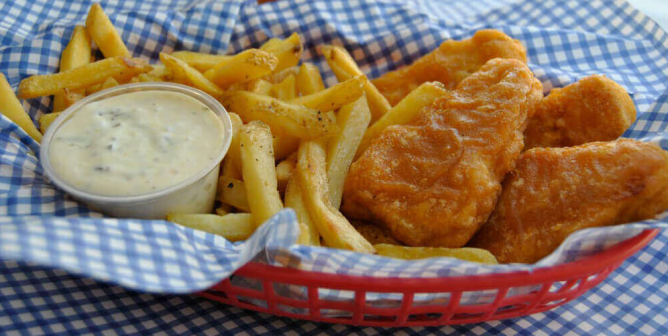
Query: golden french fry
x=293 y=199
x=104 y=33
x=333 y=97
x=288 y=51
x=232 y=192
x=284 y=145
x=223 y=210
x=108 y=83
x=76 y=53
x=353 y=119
x=303 y=238
x=160 y=73
x=11 y=108
x=259 y=85
x=181 y=69
x=332 y=225
x=233 y=227
x=284 y=173
x=285 y=90
x=233 y=153
x=344 y=67
x=144 y=78
x=404 y=112
x=270 y=43
x=464 y=253
x=46 y=119
x=228 y=168
x=309 y=80
x=259 y=171
x=242 y=67
x=283 y=118
x=200 y=61
x=70 y=97
x=279 y=76
x=120 y=68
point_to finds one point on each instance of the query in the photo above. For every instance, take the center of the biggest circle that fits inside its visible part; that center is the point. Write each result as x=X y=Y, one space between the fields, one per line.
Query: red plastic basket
x=549 y=288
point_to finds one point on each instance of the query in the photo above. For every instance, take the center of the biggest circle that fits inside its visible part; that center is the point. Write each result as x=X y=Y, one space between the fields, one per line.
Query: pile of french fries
x=293 y=139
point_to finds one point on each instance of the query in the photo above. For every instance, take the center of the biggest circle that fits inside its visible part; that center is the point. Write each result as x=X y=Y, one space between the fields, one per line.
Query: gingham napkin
x=565 y=40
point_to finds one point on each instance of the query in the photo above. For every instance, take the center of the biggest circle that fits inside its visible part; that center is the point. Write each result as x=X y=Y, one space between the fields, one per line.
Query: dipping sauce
x=136 y=143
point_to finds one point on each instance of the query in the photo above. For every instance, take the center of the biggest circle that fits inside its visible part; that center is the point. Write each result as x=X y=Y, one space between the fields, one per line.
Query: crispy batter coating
x=435 y=181
x=450 y=63
x=595 y=108
x=555 y=191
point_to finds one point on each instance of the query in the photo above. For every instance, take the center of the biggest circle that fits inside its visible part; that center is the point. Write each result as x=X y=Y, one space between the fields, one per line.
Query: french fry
x=242 y=67
x=353 y=120
x=200 y=61
x=344 y=67
x=103 y=32
x=234 y=153
x=92 y=89
x=259 y=85
x=181 y=69
x=284 y=171
x=285 y=90
x=279 y=76
x=120 y=68
x=309 y=80
x=284 y=145
x=11 y=108
x=303 y=238
x=404 y=112
x=259 y=171
x=160 y=73
x=70 y=97
x=293 y=199
x=46 y=119
x=288 y=51
x=333 y=97
x=229 y=169
x=76 y=53
x=223 y=210
x=144 y=78
x=283 y=118
x=233 y=227
x=270 y=43
x=331 y=224
x=232 y=192
x=464 y=253
x=108 y=83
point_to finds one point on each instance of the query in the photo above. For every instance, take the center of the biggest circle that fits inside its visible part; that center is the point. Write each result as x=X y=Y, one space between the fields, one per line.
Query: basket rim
x=589 y=265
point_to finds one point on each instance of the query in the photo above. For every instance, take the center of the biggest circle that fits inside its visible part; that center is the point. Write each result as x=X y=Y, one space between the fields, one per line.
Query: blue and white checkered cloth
x=39 y=225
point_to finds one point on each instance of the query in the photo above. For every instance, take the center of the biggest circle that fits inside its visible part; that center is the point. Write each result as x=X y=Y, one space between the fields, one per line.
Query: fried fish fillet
x=555 y=191
x=450 y=63
x=594 y=108
x=435 y=181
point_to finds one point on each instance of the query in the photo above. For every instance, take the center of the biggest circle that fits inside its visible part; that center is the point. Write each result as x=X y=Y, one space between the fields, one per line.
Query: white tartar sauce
x=136 y=143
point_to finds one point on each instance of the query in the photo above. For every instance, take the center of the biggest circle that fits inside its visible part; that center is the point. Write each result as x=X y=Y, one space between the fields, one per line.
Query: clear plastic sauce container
x=139 y=150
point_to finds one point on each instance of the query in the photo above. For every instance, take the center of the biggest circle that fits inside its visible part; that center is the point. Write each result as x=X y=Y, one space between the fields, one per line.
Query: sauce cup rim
x=199 y=95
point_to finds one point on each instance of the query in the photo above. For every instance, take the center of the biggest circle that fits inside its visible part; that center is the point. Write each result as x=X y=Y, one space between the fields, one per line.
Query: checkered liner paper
x=565 y=40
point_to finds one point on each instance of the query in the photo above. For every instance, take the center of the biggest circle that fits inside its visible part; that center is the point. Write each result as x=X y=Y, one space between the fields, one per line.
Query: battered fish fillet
x=594 y=108
x=555 y=191
x=450 y=63
x=435 y=181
